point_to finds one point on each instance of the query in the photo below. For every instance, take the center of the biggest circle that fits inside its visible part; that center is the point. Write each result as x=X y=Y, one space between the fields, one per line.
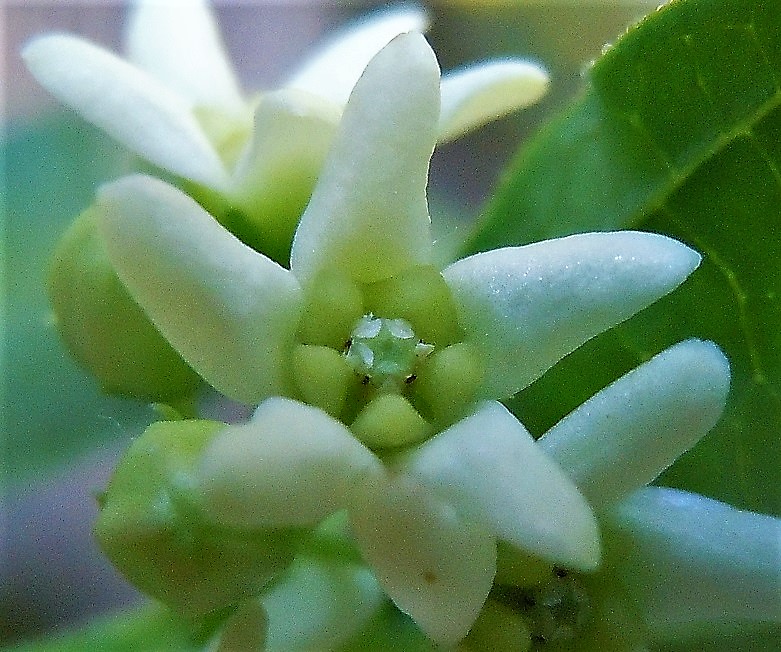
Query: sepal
x=153 y=529
x=104 y=328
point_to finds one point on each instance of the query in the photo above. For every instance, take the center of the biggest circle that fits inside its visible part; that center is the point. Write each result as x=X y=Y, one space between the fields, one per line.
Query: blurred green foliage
x=53 y=411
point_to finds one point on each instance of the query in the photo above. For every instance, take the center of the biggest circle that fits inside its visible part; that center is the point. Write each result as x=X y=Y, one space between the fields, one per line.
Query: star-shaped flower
x=675 y=564
x=677 y=568
x=176 y=102
x=364 y=327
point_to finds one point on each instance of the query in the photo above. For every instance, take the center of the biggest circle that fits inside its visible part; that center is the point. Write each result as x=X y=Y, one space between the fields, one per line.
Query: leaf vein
x=734 y=283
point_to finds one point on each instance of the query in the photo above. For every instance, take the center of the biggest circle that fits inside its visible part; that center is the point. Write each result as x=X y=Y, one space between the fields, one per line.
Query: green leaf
x=678 y=132
x=54 y=410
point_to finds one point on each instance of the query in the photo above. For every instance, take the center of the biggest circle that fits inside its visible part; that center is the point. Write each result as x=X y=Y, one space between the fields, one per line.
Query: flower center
x=557 y=611
x=385 y=358
x=385 y=351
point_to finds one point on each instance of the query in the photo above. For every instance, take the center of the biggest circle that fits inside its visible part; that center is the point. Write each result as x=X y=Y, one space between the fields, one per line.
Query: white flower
x=675 y=562
x=676 y=565
x=426 y=519
x=427 y=523
x=692 y=565
x=175 y=102
x=235 y=315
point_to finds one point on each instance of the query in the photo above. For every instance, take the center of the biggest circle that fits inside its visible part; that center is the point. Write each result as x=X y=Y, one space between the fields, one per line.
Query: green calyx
x=151 y=527
x=385 y=357
x=104 y=328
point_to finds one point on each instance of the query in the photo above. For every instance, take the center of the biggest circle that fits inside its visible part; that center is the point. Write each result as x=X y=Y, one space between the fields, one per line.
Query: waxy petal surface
x=527 y=307
x=368 y=215
x=434 y=566
x=623 y=437
x=333 y=72
x=698 y=565
x=490 y=468
x=129 y=105
x=482 y=93
x=229 y=311
x=178 y=43
x=290 y=465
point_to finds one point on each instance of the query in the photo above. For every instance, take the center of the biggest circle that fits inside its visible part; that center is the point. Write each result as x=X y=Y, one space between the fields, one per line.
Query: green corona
x=385 y=357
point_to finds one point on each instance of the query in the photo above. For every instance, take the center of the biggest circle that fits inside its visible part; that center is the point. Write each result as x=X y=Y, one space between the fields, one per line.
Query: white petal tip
x=333 y=72
x=485 y=92
x=628 y=433
x=132 y=107
x=539 y=302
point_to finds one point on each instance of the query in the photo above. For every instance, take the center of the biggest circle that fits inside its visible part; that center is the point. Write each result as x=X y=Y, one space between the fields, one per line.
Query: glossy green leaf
x=678 y=132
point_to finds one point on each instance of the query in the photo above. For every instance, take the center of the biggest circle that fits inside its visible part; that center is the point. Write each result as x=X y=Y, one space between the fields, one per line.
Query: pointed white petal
x=481 y=93
x=491 y=469
x=368 y=214
x=137 y=110
x=436 y=567
x=319 y=604
x=333 y=72
x=273 y=180
x=229 y=311
x=178 y=43
x=290 y=465
x=696 y=564
x=528 y=307
x=627 y=434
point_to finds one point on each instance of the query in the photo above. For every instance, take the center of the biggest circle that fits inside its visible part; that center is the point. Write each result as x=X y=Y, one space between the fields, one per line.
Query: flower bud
x=153 y=529
x=104 y=328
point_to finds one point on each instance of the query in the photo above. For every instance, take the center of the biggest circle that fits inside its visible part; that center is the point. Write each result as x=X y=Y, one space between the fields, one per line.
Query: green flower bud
x=104 y=328
x=152 y=527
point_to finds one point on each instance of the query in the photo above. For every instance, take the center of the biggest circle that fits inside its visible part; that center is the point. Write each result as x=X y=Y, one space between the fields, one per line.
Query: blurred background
x=61 y=435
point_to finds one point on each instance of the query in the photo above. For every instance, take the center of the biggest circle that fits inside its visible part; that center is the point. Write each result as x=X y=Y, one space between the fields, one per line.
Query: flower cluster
x=252 y=161
x=253 y=158
x=377 y=374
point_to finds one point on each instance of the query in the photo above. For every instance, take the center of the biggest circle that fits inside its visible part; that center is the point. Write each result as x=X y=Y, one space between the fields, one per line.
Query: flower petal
x=229 y=311
x=481 y=93
x=273 y=180
x=627 y=434
x=137 y=110
x=696 y=564
x=434 y=566
x=368 y=215
x=490 y=468
x=528 y=307
x=178 y=43
x=320 y=604
x=290 y=465
x=334 y=71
